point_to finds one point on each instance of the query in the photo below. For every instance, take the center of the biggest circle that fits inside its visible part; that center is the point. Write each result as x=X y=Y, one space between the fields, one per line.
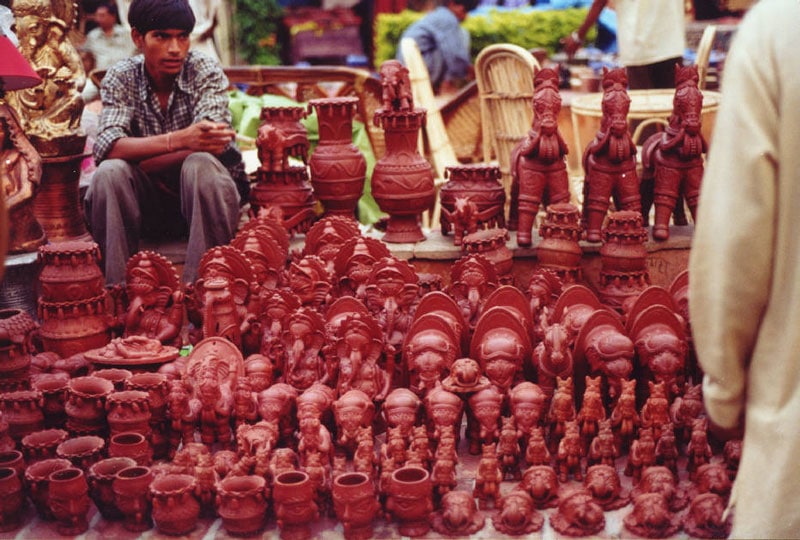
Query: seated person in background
x=165 y=148
x=444 y=45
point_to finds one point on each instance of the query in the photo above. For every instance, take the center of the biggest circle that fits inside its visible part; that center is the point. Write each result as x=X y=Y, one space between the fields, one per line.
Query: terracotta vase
x=242 y=504
x=16 y=328
x=411 y=500
x=69 y=500
x=402 y=181
x=74 y=327
x=57 y=205
x=338 y=168
x=480 y=184
x=13 y=459
x=290 y=191
x=53 y=387
x=623 y=256
x=37 y=482
x=117 y=376
x=101 y=477
x=41 y=445
x=295 y=509
x=559 y=249
x=83 y=451
x=22 y=410
x=128 y=410
x=70 y=271
x=131 y=488
x=355 y=504
x=13 y=500
x=86 y=405
x=175 y=508
x=133 y=445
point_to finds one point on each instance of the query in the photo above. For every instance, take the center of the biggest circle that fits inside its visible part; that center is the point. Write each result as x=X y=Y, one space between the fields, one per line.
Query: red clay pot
x=117 y=376
x=53 y=387
x=355 y=504
x=82 y=452
x=69 y=500
x=41 y=445
x=23 y=412
x=37 y=482
x=133 y=445
x=100 y=477
x=175 y=507
x=86 y=405
x=128 y=410
x=242 y=504
x=411 y=500
x=132 y=494
x=13 y=500
x=295 y=509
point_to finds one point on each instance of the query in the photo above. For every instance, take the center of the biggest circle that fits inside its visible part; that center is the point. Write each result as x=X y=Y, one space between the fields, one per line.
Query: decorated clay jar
x=559 y=249
x=131 y=488
x=70 y=271
x=101 y=477
x=42 y=444
x=53 y=387
x=86 y=405
x=12 y=501
x=242 y=504
x=17 y=328
x=175 y=508
x=76 y=326
x=410 y=500
x=82 y=452
x=69 y=500
x=295 y=509
x=37 y=480
x=128 y=410
x=355 y=504
x=133 y=445
x=22 y=410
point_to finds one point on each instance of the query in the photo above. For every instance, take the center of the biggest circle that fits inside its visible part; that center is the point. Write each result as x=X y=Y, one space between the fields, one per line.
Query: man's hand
x=204 y=136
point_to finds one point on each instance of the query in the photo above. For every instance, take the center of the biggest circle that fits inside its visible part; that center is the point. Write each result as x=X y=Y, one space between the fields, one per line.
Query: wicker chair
x=704 y=53
x=504 y=73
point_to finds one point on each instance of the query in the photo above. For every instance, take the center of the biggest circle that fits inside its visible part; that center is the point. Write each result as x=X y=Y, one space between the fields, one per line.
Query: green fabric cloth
x=246 y=112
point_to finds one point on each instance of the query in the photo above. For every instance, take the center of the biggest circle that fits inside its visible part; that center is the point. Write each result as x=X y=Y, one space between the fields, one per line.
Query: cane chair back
x=703 y=58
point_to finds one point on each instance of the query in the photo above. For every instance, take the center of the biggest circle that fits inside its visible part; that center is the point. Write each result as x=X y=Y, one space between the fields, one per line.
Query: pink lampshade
x=15 y=71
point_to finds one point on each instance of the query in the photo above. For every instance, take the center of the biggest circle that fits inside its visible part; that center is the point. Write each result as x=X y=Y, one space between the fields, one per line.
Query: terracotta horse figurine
x=673 y=160
x=538 y=168
x=610 y=159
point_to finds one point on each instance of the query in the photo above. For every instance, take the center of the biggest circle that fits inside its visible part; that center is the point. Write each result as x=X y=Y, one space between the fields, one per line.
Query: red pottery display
x=53 y=387
x=41 y=445
x=69 y=271
x=22 y=410
x=295 y=509
x=82 y=452
x=175 y=507
x=13 y=500
x=16 y=334
x=69 y=500
x=37 y=480
x=131 y=444
x=86 y=404
x=131 y=488
x=242 y=504
x=128 y=410
x=410 y=500
x=338 y=168
x=559 y=249
x=355 y=504
x=623 y=255
x=482 y=197
x=101 y=477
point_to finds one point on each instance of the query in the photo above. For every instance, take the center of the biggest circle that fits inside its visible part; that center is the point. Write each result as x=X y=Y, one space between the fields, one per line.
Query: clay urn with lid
x=13 y=500
x=355 y=504
x=242 y=503
x=69 y=500
x=37 y=481
x=293 y=494
x=175 y=506
x=101 y=477
x=559 y=249
x=131 y=488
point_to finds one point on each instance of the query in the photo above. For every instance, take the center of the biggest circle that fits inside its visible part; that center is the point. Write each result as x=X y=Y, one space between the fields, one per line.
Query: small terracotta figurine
x=706 y=517
x=651 y=517
x=578 y=514
x=562 y=410
x=624 y=416
x=537 y=452
x=429 y=351
x=603 y=348
x=592 y=410
x=516 y=515
x=553 y=357
x=658 y=479
x=444 y=410
x=400 y=410
x=603 y=482
x=667 y=453
x=655 y=411
x=472 y=278
x=391 y=291
x=485 y=408
x=396 y=86
x=359 y=345
x=527 y=406
x=570 y=453
x=541 y=483
x=459 y=516
x=660 y=340
x=642 y=454
x=443 y=474
x=603 y=448
x=538 y=167
x=352 y=411
x=712 y=478
x=488 y=477
x=508 y=449
x=685 y=409
x=303 y=339
x=501 y=344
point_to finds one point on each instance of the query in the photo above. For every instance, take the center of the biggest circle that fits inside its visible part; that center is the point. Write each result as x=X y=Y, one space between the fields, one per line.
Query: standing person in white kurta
x=744 y=268
x=206 y=13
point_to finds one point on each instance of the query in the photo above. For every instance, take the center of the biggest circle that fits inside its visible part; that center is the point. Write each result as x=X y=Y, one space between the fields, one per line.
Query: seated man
x=444 y=45
x=164 y=147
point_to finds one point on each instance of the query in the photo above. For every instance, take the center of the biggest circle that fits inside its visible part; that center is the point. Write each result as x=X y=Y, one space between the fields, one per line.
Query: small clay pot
x=411 y=500
x=293 y=495
x=83 y=452
x=13 y=499
x=23 y=412
x=131 y=488
x=128 y=410
x=117 y=376
x=157 y=385
x=242 y=504
x=175 y=508
x=13 y=459
x=53 y=387
x=100 y=477
x=355 y=504
x=133 y=445
x=69 y=500
x=41 y=445
x=86 y=404
x=37 y=480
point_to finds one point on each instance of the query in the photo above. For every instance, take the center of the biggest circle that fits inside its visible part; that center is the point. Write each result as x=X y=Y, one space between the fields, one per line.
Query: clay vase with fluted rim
x=83 y=451
x=42 y=444
x=101 y=477
x=22 y=411
x=293 y=494
x=131 y=488
x=338 y=167
x=128 y=410
x=69 y=500
x=117 y=376
x=86 y=405
x=37 y=482
x=53 y=387
x=175 y=507
x=12 y=501
x=133 y=445
x=69 y=271
x=355 y=504
x=17 y=328
x=242 y=504
x=410 y=500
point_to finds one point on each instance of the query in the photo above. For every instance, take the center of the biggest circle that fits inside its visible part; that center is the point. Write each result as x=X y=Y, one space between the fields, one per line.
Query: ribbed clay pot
x=23 y=412
x=12 y=500
x=42 y=444
x=37 y=481
x=53 y=387
x=69 y=500
x=86 y=405
x=410 y=500
x=74 y=327
x=133 y=445
x=242 y=504
x=295 y=509
x=101 y=477
x=82 y=452
x=355 y=504
x=117 y=376
x=175 y=507
x=128 y=410
x=132 y=494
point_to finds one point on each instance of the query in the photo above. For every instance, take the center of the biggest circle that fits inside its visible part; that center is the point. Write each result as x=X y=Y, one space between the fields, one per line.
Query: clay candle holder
x=12 y=501
x=69 y=500
x=242 y=504
x=131 y=488
x=175 y=508
x=37 y=480
x=101 y=477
